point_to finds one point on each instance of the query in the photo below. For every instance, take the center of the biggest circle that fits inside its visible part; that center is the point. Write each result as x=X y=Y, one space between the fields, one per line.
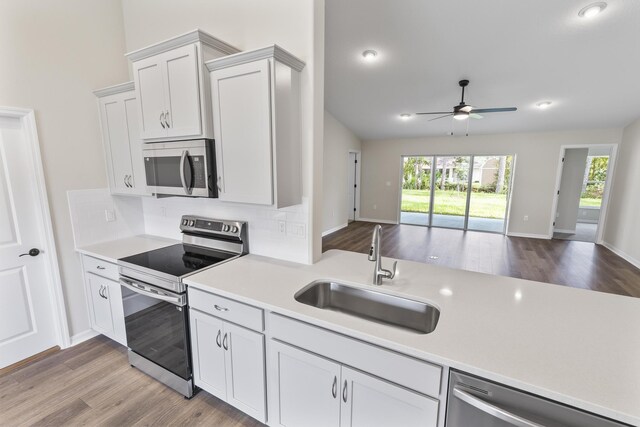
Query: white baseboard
x=381 y=221
x=564 y=231
x=83 y=336
x=334 y=229
x=621 y=254
x=528 y=235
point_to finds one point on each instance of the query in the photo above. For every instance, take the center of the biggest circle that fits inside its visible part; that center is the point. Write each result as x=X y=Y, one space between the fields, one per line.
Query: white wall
x=54 y=54
x=575 y=162
x=338 y=140
x=297 y=26
x=537 y=157
x=622 y=231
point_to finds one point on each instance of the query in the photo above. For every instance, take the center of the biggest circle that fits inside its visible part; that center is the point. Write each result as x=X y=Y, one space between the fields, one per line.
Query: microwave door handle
x=183 y=164
x=493 y=410
x=173 y=300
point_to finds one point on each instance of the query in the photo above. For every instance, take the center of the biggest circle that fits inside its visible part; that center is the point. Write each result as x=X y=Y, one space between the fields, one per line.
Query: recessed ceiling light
x=405 y=116
x=592 y=10
x=369 y=55
x=543 y=104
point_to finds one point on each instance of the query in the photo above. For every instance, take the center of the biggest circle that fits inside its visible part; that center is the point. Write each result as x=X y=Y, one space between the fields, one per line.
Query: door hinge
x=558 y=192
x=554 y=223
x=356 y=160
x=355 y=185
x=563 y=159
x=354 y=209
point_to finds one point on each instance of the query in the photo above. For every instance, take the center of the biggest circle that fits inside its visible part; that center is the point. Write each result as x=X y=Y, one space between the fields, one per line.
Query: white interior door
x=27 y=324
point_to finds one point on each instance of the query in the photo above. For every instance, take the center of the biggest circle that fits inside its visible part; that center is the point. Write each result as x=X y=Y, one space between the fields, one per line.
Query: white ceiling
x=514 y=52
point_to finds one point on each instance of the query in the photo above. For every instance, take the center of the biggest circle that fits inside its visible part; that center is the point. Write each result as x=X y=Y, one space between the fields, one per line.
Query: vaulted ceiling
x=514 y=52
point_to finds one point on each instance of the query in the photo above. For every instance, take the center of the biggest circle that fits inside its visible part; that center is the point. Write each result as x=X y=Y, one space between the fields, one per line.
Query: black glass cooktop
x=178 y=260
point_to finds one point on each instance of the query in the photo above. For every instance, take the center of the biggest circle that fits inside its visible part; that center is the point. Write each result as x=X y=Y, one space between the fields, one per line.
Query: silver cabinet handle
x=224 y=342
x=129 y=181
x=161 y=123
x=217 y=307
x=344 y=392
x=218 y=184
x=218 y=338
x=99 y=267
x=100 y=290
x=166 y=115
x=125 y=181
x=493 y=410
x=334 y=387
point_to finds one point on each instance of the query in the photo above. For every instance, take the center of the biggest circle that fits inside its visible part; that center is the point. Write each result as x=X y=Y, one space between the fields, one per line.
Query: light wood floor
x=576 y=264
x=92 y=384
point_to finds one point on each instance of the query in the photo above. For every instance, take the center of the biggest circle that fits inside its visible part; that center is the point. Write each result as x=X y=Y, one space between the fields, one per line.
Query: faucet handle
x=394 y=270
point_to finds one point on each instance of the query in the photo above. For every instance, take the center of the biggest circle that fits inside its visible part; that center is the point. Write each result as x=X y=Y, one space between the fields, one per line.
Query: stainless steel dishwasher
x=477 y=402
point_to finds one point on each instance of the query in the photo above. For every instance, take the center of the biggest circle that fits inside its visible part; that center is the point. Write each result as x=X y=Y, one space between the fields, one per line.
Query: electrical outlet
x=526 y=218
x=109 y=215
x=282 y=227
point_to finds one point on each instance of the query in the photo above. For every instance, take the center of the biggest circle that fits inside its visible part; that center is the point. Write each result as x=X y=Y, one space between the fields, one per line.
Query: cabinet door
x=101 y=317
x=150 y=86
x=114 y=295
x=138 y=179
x=244 y=364
x=207 y=353
x=182 y=92
x=116 y=140
x=242 y=131
x=368 y=401
x=306 y=387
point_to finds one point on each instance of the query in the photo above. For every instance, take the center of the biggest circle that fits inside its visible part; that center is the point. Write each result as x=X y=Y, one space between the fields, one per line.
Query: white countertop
x=574 y=346
x=112 y=250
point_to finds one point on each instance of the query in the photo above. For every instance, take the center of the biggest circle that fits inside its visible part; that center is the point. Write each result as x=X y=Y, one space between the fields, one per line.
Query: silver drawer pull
x=99 y=267
x=217 y=307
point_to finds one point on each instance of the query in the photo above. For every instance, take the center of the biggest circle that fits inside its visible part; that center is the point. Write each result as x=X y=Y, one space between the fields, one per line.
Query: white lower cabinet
x=104 y=297
x=228 y=362
x=305 y=387
x=310 y=390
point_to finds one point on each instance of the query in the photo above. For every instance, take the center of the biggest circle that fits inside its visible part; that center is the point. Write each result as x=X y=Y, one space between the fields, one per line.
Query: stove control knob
x=185 y=221
x=192 y=223
x=234 y=229
x=225 y=228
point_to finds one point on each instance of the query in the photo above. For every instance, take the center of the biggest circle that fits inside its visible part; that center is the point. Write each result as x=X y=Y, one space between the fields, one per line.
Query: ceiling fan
x=463 y=111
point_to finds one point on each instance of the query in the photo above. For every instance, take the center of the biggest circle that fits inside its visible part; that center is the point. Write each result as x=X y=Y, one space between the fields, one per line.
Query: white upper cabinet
x=120 y=136
x=173 y=93
x=256 y=121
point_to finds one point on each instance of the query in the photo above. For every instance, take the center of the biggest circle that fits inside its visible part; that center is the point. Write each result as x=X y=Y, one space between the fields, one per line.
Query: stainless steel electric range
x=156 y=315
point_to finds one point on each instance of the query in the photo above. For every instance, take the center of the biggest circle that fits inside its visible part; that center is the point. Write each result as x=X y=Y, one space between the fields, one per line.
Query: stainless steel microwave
x=181 y=168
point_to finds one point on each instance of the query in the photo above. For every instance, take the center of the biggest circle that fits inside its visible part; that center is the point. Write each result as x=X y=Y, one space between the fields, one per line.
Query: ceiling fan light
x=369 y=55
x=405 y=116
x=461 y=115
x=543 y=104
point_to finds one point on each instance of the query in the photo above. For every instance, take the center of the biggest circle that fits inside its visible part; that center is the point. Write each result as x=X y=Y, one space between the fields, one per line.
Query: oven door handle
x=141 y=289
x=183 y=178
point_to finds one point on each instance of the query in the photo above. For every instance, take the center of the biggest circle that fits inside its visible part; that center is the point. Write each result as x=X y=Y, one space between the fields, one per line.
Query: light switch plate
x=110 y=215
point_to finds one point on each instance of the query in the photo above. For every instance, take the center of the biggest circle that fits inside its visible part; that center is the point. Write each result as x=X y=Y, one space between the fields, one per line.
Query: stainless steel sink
x=372 y=305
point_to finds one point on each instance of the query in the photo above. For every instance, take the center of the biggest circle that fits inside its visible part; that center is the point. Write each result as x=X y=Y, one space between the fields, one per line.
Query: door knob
x=32 y=252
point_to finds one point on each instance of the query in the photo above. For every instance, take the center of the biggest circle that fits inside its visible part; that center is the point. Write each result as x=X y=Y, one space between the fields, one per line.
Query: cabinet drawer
x=101 y=268
x=224 y=308
x=404 y=370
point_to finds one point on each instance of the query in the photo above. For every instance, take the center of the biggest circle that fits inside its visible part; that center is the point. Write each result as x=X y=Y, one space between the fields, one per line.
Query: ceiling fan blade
x=439 y=112
x=441 y=117
x=467 y=108
x=475 y=116
x=494 y=110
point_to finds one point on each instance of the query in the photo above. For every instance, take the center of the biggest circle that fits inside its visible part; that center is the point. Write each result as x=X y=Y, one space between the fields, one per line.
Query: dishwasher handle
x=493 y=410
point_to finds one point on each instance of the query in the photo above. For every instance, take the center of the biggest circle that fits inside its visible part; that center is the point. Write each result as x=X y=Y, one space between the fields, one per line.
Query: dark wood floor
x=569 y=263
x=92 y=384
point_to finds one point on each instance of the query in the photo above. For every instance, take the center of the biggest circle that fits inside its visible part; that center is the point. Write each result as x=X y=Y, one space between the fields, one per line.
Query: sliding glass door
x=450 y=192
x=463 y=191
x=490 y=184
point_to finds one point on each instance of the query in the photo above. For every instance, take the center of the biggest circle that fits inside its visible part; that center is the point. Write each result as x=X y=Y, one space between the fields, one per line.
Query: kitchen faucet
x=374 y=255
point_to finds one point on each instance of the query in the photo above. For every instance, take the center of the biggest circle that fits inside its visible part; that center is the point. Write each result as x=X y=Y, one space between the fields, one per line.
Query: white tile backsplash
x=89 y=210
x=162 y=218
